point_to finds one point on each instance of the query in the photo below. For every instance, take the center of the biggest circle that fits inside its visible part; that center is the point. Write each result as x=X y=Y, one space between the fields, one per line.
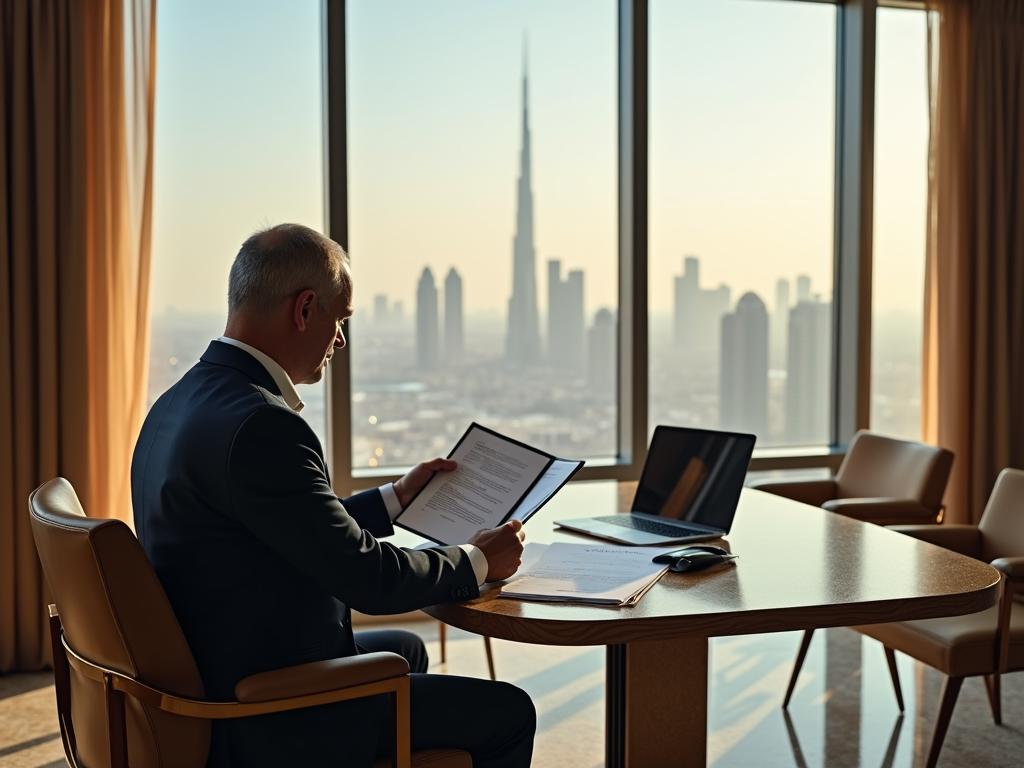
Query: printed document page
x=493 y=474
x=587 y=573
x=558 y=474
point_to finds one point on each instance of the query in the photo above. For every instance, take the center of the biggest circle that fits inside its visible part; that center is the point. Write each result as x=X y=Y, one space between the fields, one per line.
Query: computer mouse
x=698 y=561
x=693 y=549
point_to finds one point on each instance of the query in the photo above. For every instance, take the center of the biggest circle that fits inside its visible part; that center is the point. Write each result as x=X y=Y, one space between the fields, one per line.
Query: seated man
x=261 y=560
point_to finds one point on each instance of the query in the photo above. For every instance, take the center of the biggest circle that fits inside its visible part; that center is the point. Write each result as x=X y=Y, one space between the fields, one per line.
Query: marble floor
x=843 y=713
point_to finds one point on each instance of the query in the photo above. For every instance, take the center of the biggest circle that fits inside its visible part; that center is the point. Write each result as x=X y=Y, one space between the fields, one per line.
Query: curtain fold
x=76 y=164
x=974 y=294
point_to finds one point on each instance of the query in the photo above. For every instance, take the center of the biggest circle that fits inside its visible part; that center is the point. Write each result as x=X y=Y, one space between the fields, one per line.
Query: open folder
x=497 y=479
x=585 y=573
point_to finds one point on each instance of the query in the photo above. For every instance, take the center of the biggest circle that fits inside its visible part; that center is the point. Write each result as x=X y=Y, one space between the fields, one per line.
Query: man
x=261 y=560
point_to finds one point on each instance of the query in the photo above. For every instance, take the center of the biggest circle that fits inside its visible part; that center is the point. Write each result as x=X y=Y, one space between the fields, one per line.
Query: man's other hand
x=407 y=487
x=503 y=547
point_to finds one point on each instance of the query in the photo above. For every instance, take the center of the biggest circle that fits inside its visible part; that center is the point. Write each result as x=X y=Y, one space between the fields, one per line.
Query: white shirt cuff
x=479 y=561
x=387 y=492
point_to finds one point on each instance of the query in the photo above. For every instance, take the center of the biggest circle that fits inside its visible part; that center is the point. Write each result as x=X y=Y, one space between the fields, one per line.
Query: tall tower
x=780 y=325
x=426 y=322
x=743 y=385
x=698 y=312
x=523 y=340
x=565 y=317
x=808 y=373
x=601 y=354
x=453 y=317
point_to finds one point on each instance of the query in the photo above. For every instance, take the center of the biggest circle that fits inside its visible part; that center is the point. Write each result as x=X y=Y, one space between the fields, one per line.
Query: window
x=482 y=194
x=901 y=192
x=239 y=145
x=742 y=159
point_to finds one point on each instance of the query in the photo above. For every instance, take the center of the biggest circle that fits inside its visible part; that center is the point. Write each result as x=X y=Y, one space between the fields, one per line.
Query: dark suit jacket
x=259 y=557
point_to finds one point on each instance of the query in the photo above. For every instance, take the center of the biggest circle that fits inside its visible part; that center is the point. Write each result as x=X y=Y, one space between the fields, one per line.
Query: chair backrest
x=878 y=466
x=1002 y=522
x=116 y=615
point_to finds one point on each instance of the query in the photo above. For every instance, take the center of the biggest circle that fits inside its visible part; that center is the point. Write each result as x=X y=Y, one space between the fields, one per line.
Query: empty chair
x=128 y=689
x=882 y=480
x=989 y=643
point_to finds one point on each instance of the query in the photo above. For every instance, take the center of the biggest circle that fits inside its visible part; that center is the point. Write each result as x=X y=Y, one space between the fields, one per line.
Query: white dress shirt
x=387 y=492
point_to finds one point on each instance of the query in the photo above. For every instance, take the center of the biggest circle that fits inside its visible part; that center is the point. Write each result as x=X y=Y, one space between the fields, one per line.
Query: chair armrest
x=883 y=510
x=1013 y=567
x=813 y=492
x=320 y=677
x=965 y=539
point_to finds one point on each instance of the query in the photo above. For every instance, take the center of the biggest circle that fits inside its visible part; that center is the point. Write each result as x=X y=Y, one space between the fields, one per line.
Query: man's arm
x=280 y=492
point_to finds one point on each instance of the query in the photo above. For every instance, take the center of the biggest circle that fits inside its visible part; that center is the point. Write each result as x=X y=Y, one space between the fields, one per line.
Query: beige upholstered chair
x=989 y=643
x=128 y=690
x=882 y=480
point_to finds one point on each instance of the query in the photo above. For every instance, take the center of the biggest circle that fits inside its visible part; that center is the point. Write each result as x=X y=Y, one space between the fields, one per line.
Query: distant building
x=808 y=382
x=779 y=327
x=523 y=340
x=698 y=312
x=803 y=288
x=453 y=334
x=602 y=354
x=743 y=385
x=381 y=316
x=565 y=318
x=397 y=313
x=427 y=341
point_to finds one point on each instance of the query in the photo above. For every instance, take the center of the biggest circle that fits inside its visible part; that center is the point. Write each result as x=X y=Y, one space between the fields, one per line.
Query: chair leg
x=890 y=657
x=950 y=690
x=993 y=689
x=490 y=657
x=805 y=643
x=442 y=632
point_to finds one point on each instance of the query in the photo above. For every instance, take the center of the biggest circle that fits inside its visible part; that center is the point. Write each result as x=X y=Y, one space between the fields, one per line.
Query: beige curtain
x=974 y=313
x=76 y=167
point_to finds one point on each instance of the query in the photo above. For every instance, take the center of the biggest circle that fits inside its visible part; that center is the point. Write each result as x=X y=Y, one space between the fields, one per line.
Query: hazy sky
x=742 y=111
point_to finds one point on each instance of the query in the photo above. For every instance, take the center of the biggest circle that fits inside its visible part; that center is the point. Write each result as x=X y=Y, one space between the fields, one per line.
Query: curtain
x=75 y=206
x=974 y=294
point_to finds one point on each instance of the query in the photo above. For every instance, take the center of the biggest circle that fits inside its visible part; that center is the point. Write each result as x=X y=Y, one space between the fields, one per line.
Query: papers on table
x=586 y=573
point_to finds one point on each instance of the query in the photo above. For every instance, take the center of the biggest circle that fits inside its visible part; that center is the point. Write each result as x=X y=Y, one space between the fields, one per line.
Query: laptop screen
x=694 y=475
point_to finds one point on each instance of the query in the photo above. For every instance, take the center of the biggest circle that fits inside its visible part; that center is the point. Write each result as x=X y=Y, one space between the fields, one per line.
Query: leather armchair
x=128 y=690
x=989 y=643
x=881 y=480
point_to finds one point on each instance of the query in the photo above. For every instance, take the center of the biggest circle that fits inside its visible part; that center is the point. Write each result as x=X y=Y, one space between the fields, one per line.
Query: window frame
x=853 y=229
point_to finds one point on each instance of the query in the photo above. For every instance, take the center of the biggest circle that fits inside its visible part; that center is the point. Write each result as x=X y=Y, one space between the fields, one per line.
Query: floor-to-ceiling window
x=482 y=225
x=901 y=190
x=239 y=146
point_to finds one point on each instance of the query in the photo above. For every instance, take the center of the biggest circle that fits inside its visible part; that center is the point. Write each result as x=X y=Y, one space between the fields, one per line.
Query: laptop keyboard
x=650 y=526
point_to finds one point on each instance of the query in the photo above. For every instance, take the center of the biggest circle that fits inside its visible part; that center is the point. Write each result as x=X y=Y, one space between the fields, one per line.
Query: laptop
x=688 y=491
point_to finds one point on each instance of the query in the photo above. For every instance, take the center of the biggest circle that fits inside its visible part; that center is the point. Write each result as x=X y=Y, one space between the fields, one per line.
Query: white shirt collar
x=280 y=376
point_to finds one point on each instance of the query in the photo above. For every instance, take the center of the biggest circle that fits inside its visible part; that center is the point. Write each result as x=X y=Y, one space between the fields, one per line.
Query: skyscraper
x=565 y=317
x=743 y=385
x=803 y=288
x=808 y=384
x=381 y=315
x=698 y=312
x=523 y=340
x=426 y=322
x=601 y=354
x=453 y=341
x=780 y=325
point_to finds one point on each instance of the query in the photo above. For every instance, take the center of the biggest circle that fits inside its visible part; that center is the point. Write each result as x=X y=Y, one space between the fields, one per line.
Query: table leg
x=657 y=704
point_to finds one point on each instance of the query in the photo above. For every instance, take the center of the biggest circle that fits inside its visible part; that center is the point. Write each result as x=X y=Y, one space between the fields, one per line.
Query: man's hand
x=503 y=547
x=407 y=487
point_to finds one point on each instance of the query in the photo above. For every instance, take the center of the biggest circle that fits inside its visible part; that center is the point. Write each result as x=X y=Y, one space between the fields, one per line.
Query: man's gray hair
x=285 y=259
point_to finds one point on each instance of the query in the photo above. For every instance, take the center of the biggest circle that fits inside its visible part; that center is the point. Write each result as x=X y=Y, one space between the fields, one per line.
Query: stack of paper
x=586 y=573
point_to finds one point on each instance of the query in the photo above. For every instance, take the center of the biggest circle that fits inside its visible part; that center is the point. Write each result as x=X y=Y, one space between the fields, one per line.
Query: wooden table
x=799 y=567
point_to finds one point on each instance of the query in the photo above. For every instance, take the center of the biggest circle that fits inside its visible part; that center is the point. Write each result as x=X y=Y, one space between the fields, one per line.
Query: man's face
x=326 y=335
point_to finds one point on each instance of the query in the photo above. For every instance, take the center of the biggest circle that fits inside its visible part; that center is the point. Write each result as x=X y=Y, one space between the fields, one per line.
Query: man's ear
x=303 y=308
